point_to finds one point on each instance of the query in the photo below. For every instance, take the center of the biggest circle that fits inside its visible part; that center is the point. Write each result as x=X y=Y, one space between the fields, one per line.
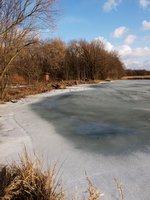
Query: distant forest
x=137 y=72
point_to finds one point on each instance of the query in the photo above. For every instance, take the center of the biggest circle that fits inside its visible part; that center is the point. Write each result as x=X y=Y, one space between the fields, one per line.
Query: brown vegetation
x=131 y=74
x=137 y=72
x=81 y=61
x=18 y=22
x=90 y=60
x=146 y=77
x=28 y=181
x=18 y=91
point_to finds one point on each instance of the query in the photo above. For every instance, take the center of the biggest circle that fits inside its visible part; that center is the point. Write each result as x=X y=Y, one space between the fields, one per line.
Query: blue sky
x=123 y=25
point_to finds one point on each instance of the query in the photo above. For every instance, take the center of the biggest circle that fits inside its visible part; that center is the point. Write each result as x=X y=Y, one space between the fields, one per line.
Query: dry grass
x=27 y=181
x=92 y=190
x=135 y=77
x=17 y=92
x=120 y=189
x=21 y=92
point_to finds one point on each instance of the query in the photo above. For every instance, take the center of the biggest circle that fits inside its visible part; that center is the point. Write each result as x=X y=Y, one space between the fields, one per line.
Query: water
x=109 y=119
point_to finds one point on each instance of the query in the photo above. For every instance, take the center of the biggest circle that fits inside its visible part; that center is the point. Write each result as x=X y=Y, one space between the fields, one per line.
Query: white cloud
x=126 y=51
x=146 y=25
x=144 y=3
x=141 y=52
x=108 y=46
x=120 y=31
x=133 y=58
x=110 y=5
x=140 y=64
x=130 y=39
x=146 y=64
x=137 y=58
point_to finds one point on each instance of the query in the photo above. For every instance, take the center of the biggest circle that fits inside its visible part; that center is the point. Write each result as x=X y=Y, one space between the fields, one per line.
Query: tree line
x=78 y=60
x=137 y=72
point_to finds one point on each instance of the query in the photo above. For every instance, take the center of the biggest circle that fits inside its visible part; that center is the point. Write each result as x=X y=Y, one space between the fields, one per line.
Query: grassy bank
x=16 y=92
x=136 y=77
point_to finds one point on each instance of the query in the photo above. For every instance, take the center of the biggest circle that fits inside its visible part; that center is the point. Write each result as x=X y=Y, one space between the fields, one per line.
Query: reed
x=27 y=180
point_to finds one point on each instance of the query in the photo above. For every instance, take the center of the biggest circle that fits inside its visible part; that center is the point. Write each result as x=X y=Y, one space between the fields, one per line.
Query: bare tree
x=19 y=21
x=28 y=63
x=90 y=60
x=73 y=61
x=53 y=57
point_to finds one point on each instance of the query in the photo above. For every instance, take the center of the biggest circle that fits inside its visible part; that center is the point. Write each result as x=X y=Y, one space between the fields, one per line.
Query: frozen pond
x=103 y=130
x=111 y=118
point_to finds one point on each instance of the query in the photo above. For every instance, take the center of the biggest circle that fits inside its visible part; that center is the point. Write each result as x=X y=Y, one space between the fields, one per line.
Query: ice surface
x=106 y=138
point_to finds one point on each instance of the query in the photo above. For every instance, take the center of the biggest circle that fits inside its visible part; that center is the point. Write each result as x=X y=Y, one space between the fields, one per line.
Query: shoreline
x=18 y=92
x=22 y=91
x=146 y=77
